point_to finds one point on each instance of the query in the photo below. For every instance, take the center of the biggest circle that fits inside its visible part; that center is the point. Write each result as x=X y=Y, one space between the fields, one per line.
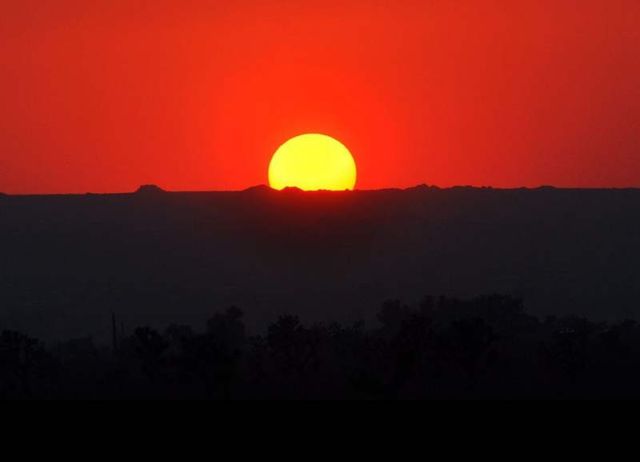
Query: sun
x=313 y=162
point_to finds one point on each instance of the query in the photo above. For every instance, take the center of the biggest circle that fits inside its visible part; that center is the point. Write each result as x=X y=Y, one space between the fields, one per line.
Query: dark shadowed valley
x=156 y=258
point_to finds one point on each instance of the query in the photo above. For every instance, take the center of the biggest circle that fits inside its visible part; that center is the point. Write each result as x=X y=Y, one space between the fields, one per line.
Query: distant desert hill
x=155 y=257
x=150 y=189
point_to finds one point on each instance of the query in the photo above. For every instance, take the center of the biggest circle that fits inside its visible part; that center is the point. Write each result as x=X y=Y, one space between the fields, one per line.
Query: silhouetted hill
x=156 y=258
x=263 y=188
x=150 y=189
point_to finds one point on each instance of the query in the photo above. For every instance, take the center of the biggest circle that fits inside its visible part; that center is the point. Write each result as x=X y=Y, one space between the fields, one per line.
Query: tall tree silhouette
x=22 y=361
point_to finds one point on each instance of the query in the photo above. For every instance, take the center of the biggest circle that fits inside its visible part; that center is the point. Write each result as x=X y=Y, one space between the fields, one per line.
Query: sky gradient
x=106 y=95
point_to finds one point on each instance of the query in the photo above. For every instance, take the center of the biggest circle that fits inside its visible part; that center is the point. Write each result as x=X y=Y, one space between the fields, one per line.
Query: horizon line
x=146 y=189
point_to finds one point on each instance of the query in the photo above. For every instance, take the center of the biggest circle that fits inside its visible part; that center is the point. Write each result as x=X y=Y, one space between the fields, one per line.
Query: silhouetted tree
x=446 y=347
x=294 y=352
x=215 y=356
x=569 y=347
x=466 y=345
x=23 y=361
x=149 y=347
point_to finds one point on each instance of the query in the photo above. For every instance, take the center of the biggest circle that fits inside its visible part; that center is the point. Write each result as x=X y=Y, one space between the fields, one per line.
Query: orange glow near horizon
x=313 y=162
x=106 y=95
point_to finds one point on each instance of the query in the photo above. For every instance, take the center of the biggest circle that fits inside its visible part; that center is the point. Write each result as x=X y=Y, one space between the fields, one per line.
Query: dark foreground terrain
x=154 y=258
x=79 y=274
x=487 y=347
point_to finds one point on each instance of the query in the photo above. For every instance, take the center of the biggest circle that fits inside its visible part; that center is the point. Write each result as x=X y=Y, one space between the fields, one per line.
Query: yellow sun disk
x=313 y=162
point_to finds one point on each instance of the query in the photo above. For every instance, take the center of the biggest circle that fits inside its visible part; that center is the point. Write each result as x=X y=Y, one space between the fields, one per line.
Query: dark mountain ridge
x=155 y=257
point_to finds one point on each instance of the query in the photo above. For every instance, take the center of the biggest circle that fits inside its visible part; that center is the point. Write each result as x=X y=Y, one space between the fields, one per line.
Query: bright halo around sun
x=313 y=162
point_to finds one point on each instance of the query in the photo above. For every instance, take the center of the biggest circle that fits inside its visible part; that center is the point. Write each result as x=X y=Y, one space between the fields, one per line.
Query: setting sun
x=313 y=162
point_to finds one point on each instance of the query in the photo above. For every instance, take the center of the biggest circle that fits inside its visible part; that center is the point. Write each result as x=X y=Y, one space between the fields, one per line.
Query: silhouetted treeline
x=487 y=347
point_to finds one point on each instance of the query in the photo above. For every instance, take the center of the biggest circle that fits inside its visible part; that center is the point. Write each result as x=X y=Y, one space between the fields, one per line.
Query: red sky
x=105 y=95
